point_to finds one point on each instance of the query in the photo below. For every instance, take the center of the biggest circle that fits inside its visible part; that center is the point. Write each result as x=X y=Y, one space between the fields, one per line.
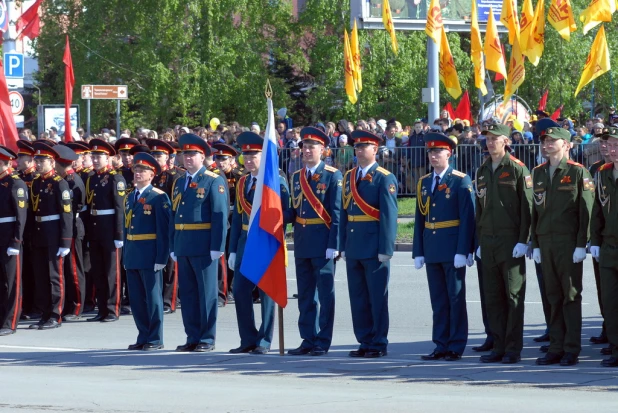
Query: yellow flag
x=517 y=72
x=448 y=72
x=476 y=52
x=387 y=19
x=597 y=62
x=508 y=17
x=536 y=40
x=348 y=62
x=598 y=11
x=561 y=17
x=354 y=46
x=494 y=60
x=527 y=17
x=433 y=27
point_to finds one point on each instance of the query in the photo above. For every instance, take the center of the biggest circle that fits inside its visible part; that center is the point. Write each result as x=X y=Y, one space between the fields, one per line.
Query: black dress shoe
x=221 y=303
x=241 y=349
x=98 y=317
x=607 y=351
x=544 y=349
x=34 y=316
x=187 y=347
x=540 y=339
x=36 y=326
x=373 y=354
x=319 y=351
x=548 y=359
x=230 y=298
x=6 y=332
x=25 y=317
x=135 y=346
x=260 y=350
x=89 y=308
x=569 y=359
x=167 y=310
x=436 y=355
x=125 y=310
x=71 y=317
x=110 y=318
x=357 y=353
x=49 y=325
x=492 y=357
x=301 y=351
x=511 y=358
x=486 y=346
x=295 y=296
x=152 y=347
x=452 y=356
x=257 y=300
x=204 y=347
x=610 y=362
x=601 y=339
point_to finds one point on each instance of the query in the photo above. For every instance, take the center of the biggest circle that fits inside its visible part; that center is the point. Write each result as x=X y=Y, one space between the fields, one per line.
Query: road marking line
x=43 y=348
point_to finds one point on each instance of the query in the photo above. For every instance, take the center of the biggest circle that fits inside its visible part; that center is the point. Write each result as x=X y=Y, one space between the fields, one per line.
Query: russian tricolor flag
x=263 y=261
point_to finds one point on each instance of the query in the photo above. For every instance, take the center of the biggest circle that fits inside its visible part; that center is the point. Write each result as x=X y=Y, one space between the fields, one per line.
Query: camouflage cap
x=557 y=133
x=498 y=129
x=610 y=133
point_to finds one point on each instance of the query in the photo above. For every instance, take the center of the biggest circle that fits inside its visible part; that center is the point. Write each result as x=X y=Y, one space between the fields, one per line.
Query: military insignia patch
x=588 y=186
x=66 y=195
x=565 y=180
x=528 y=180
x=504 y=175
x=340 y=183
x=221 y=189
x=67 y=208
x=120 y=186
x=21 y=193
x=392 y=189
x=21 y=204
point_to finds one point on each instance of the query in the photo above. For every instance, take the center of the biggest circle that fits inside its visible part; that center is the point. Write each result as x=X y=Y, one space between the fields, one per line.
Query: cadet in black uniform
x=105 y=191
x=12 y=223
x=123 y=147
x=50 y=201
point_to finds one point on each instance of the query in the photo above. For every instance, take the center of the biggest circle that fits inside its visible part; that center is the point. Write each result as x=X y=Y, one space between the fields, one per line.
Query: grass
x=407 y=206
x=405 y=232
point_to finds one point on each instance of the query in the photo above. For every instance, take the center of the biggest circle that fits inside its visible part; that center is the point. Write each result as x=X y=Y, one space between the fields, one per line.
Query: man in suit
x=252 y=339
x=146 y=251
x=444 y=241
x=316 y=201
x=367 y=231
x=197 y=241
x=13 y=214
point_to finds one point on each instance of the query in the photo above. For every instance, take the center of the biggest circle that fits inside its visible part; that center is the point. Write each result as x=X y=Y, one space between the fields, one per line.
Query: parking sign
x=14 y=65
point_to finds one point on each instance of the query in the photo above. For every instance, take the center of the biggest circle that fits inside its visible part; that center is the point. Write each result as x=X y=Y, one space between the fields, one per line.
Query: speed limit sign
x=17 y=102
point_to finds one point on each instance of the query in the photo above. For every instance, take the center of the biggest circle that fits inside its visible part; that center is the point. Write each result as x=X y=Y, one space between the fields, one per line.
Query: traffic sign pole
x=88 y=117
x=118 y=119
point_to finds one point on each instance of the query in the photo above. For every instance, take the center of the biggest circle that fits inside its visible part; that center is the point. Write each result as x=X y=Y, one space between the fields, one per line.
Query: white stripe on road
x=43 y=348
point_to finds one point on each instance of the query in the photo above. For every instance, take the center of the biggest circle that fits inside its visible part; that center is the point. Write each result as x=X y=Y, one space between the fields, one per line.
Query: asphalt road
x=84 y=367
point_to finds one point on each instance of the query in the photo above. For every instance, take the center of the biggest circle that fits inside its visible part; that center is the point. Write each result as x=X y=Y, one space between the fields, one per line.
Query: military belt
x=443 y=224
x=361 y=218
x=189 y=227
x=309 y=221
x=7 y=219
x=245 y=227
x=47 y=218
x=96 y=212
x=141 y=237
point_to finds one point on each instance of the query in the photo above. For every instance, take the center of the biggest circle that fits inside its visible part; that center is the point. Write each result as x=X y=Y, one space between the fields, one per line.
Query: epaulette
x=157 y=191
x=171 y=172
x=16 y=177
x=237 y=172
x=113 y=172
x=296 y=172
x=570 y=162
x=458 y=173
x=330 y=168
x=69 y=177
x=541 y=165
x=606 y=166
x=425 y=176
x=517 y=161
x=211 y=174
x=57 y=178
x=382 y=171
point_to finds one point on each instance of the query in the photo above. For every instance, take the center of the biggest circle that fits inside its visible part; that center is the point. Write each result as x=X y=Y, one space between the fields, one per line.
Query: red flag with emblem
x=69 y=82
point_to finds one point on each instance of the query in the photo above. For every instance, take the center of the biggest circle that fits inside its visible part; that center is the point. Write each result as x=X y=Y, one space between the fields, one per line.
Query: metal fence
x=410 y=163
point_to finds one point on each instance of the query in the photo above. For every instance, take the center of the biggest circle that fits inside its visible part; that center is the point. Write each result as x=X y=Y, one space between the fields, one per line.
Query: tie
x=189 y=182
x=136 y=196
x=359 y=175
x=435 y=188
x=251 y=184
x=308 y=175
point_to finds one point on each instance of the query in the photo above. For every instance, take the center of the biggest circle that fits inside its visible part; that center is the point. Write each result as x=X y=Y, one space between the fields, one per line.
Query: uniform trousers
x=105 y=271
x=11 y=287
x=447 y=292
x=563 y=284
x=49 y=269
x=243 y=301
x=368 y=289
x=90 y=299
x=315 y=278
x=479 y=269
x=146 y=295
x=609 y=288
x=170 y=284
x=75 y=280
x=197 y=288
x=544 y=301
x=29 y=303
x=597 y=281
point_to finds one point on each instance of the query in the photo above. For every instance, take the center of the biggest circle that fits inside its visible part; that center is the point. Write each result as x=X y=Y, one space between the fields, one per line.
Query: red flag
x=69 y=82
x=449 y=108
x=8 y=130
x=29 y=22
x=543 y=101
x=499 y=75
x=554 y=116
x=463 y=109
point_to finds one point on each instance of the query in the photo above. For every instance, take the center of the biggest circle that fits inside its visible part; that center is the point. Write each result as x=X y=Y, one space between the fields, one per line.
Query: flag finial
x=268 y=90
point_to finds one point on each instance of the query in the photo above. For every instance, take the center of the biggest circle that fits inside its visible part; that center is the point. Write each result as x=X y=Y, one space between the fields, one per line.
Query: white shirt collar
x=315 y=168
x=365 y=170
x=144 y=189
x=441 y=175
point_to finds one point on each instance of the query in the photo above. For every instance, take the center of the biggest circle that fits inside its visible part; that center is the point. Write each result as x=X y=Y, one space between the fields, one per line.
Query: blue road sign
x=14 y=65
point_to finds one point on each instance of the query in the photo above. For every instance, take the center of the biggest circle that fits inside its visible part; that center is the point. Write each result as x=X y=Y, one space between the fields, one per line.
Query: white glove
x=419 y=262
x=595 y=252
x=470 y=260
x=343 y=255
x=231 y=261
x=579 y=255
x=118 y=244
x=173 y=257
x=215 y=255
x=536 y=255
x=460 y=261
x=63 y=252
x=520 y=250
x=11 y=251
x=331 y=253
x=478 y=252
x=159 y=267
x=384 y=257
